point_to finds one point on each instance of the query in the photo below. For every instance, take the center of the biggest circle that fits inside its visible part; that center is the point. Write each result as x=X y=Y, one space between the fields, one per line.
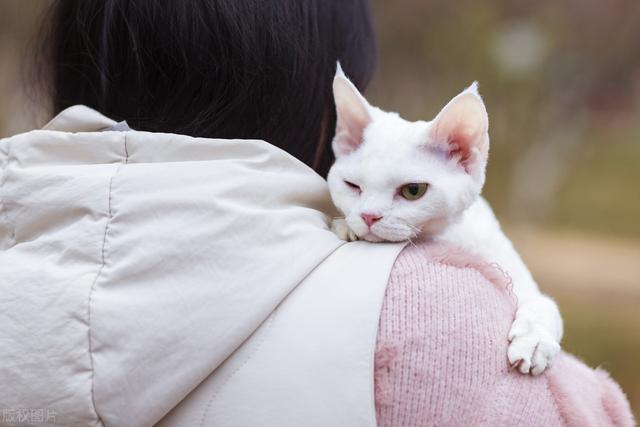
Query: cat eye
x=352 y=185
x=413 y=190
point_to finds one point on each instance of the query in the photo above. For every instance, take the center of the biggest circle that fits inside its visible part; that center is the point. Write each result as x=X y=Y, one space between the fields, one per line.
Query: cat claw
x=532 y=349
x=516 y=364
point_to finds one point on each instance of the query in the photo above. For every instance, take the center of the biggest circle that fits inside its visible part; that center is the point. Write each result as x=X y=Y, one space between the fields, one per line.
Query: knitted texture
x=441 y=354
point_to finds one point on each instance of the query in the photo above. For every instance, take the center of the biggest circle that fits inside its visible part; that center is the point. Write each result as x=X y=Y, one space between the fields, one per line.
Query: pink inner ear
x=347 y=141
x=460 y=145
x=352 y=117
x=461 y=126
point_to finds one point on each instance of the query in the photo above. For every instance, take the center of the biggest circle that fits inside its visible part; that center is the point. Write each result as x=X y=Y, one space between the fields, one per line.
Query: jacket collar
x=79 y=118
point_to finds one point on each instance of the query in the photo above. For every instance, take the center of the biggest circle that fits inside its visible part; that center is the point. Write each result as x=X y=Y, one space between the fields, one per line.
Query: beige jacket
x=157 y=278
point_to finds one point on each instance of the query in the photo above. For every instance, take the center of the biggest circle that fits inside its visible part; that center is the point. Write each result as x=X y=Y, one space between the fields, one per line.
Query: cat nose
x=370 y=219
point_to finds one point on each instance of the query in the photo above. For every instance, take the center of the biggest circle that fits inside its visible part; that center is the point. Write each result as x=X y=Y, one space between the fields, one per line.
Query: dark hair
x=213 y=68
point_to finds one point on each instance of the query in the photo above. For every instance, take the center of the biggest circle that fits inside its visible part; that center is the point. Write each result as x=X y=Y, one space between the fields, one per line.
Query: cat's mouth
x=382 y=231
x=384 y=236
x=372 y=237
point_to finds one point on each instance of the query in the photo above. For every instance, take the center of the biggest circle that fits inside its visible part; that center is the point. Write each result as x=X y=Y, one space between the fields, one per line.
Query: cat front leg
x=534 y=337
x=341 y=229
x=535 y=334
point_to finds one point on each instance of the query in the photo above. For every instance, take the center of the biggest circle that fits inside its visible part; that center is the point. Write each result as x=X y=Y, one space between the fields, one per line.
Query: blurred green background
x=561 y=81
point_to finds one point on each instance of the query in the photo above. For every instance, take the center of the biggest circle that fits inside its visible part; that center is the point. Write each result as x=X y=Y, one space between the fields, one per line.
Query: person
x=166 y=257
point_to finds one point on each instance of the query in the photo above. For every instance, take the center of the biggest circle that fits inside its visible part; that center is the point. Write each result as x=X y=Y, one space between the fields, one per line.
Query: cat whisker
x=412 y=242
x=417 y=230
x=414 y=231
x=391 y=227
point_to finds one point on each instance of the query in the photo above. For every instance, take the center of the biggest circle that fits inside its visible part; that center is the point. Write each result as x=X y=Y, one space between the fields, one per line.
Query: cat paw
x=341 y=229
x=532 y=349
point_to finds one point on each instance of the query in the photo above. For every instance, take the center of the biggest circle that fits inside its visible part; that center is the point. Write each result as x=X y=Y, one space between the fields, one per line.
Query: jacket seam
x=215 y=394
x=4 y=215
x=258 y=345
x=124 y=161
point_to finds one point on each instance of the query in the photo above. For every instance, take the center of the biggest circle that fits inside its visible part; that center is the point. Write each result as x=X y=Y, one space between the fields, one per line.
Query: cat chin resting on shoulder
x=396 y=180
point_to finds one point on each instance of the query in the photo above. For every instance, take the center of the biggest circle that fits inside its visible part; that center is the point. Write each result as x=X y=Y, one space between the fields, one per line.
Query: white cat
x=396 y=180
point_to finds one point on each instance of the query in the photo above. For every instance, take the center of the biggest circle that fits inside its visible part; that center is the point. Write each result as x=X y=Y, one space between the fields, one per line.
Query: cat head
x=394 y=179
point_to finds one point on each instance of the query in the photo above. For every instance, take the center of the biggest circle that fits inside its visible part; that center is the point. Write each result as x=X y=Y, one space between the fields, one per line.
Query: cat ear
x=352 y=112
x=461 y=129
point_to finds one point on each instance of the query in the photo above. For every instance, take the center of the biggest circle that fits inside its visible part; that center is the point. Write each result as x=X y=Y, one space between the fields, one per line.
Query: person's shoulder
x=429 y=264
